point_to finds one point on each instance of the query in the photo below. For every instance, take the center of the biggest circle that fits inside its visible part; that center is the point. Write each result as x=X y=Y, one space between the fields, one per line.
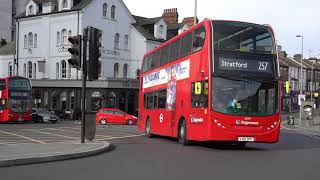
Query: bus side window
x=162 y=99
x=150 y=100
x=153 y=61
x=164 y=55
x=198 y=39
x=186 y=44
x=2 y=84
x=199 y=92
x=3 y=104
x=174 y=50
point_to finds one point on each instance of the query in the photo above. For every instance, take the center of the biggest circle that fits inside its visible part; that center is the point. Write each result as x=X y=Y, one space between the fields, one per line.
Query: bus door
x=199 y=101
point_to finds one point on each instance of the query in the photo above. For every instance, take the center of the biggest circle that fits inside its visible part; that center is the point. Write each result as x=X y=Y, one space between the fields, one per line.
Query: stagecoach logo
x=246 y=123
x=161 y=117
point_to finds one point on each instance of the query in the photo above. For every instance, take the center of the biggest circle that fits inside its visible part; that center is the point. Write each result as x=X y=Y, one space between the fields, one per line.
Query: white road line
x=18 y=135
x=54 y=129
x=300 y=131
x=120 y=137
x=55 y=134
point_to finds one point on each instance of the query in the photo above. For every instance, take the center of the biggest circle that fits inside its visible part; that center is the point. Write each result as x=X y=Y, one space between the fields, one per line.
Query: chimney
x=189 y=21
x=171 y=16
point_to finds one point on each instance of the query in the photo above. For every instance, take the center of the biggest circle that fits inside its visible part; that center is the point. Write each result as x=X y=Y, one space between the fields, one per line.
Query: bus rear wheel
x=182 y=133
x=148 y=129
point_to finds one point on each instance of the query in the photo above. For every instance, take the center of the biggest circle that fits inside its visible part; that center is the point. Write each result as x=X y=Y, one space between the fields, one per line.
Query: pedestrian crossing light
x=75 y=51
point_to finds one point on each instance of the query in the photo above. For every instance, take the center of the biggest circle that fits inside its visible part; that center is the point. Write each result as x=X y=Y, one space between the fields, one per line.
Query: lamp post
x=301 y=36
x=195 y=12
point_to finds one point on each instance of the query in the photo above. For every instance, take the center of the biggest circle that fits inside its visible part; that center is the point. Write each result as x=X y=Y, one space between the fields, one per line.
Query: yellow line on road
x=55 y=134
x=18 y=135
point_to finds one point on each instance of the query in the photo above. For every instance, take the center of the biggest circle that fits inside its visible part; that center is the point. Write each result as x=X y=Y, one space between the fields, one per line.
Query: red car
x=114 y=116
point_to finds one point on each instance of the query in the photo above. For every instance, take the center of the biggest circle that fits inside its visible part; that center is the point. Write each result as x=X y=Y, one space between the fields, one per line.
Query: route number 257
x=263 y=66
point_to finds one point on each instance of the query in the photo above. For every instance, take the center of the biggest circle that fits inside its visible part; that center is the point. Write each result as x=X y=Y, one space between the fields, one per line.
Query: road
x=296 y=156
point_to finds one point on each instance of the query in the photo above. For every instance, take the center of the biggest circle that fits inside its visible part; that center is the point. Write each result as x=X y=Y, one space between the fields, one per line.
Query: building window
x=35 y=40
x=24 y=70
x=69 y=71
x=95 y=101
x=25 y=41
x=63 y=69
x=58 y=38
x=125 y=71
x=64 y=4
x=64 y=37
x=104 y=9
x=31 y=9
x=57 y=70
x=116 y=40
x=34 y=70
x=113 y=12
x=116 y=70
x=10 y=70
x=138 y=73
x=30 y=39
x=72 y=100
x=126 y=41
x=30 y=70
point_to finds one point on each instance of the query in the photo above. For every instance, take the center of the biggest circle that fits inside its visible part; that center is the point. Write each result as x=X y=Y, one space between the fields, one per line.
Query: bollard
x=290 y=120
x=90 y=129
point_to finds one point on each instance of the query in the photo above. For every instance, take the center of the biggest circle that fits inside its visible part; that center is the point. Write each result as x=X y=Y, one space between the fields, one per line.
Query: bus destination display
x=253 y=66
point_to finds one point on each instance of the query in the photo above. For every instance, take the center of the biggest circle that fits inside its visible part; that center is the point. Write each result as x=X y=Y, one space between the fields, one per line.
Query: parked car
x=43 y=115
x=114 y=116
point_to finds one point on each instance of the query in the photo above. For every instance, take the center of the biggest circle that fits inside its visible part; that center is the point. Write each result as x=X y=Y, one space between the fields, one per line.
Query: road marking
x=55 y=134
x=120 y=137
x=18 y=135
x=76 y=132
x=301 y=132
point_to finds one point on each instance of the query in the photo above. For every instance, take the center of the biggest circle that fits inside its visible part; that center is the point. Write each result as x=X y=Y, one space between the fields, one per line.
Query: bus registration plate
x=247 y=139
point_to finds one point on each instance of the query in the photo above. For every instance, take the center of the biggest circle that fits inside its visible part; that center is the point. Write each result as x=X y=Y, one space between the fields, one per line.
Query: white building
x=42 y=56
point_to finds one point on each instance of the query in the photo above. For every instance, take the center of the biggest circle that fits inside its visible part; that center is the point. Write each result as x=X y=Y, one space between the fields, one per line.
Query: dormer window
x=161 y=28
x=31 y=9
x=64 y=4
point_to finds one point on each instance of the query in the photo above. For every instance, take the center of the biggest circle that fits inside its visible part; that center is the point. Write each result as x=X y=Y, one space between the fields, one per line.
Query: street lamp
x=301 y=36
x=195 y=12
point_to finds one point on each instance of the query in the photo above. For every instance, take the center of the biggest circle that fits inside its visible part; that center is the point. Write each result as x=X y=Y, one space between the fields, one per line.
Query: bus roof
x=193 y=28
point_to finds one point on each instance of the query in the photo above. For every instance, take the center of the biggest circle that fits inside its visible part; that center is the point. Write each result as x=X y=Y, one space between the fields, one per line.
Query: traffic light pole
x=84 y=84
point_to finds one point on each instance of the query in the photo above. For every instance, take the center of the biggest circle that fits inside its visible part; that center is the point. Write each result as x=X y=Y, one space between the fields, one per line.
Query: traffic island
x=22 y=154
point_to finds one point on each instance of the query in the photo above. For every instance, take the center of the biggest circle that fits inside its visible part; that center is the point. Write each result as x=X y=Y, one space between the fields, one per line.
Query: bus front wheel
x=182 y=136
x=148 y=128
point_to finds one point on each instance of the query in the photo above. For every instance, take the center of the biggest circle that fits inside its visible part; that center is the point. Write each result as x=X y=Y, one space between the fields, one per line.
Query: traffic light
x=94 y=53
x=75 y=51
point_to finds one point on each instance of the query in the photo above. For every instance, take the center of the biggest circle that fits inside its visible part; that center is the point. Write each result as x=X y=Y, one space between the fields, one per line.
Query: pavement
x=21 y=154
x=307 y=127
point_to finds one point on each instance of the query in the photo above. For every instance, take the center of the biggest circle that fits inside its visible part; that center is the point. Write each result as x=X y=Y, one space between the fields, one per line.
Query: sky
x=288 y=18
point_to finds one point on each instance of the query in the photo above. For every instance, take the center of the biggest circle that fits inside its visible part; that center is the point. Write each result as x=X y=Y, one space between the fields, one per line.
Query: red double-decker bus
x=218 y=81
x=15 y=99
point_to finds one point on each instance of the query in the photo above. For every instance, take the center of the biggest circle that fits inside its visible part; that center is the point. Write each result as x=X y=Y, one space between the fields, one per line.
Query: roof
x=146 y=27
x=8 y=49
x=78 y=5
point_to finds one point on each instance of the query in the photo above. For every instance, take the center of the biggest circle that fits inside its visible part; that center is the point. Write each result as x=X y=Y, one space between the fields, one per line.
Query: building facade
x=41 y=52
